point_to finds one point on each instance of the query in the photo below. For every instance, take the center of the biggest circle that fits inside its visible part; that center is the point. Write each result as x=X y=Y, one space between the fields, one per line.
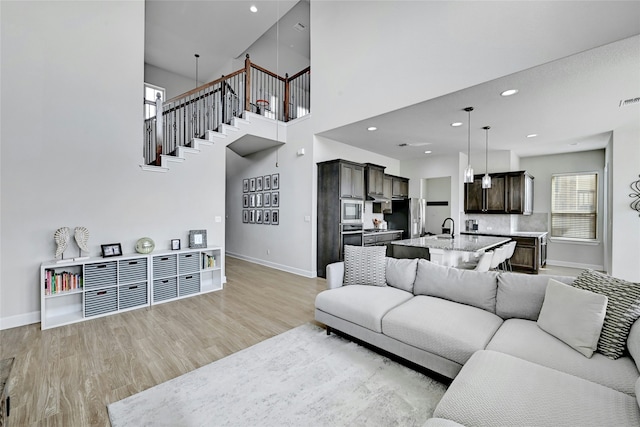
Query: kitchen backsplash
x=368 y=215
x=507 y=223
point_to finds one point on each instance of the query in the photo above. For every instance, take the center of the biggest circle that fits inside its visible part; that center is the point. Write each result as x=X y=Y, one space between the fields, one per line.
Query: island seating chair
x=498 y=258
x=483 y=263
x=509 y=250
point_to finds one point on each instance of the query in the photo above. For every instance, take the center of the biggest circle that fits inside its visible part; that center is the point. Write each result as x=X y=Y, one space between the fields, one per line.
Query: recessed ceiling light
x=456 y=124
x=574 y=143
x=509 y=92
x=532 y=135
x=372 y=128
x=253 y=8
x=427 y=152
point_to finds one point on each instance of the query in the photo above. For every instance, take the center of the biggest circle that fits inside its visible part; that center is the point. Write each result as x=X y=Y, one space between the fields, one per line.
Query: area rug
x=299 y=378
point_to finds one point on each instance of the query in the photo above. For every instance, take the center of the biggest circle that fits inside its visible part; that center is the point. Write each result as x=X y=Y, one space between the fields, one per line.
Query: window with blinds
x=574 y=205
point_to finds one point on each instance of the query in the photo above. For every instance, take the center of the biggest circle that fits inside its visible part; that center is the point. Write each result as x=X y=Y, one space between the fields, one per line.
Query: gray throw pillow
x=623 y=309
x=574 y=316
x=365 y=265
x=401 y=273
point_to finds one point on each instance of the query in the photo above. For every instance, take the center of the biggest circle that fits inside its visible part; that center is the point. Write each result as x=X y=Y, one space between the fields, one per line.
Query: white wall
x=72 y=76
x=327 y=149
x=625 y=233
x=432 y=48
x=174 y=84
x=542 y=167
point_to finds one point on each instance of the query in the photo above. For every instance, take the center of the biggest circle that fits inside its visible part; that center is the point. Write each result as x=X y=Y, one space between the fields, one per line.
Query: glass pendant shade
x=468 y=172
x=486 y=181
x=468 y=175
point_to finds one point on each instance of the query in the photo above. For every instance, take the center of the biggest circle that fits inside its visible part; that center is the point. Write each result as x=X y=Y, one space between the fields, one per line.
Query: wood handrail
x=264 y=70
x=205 y=86
x=299 y=73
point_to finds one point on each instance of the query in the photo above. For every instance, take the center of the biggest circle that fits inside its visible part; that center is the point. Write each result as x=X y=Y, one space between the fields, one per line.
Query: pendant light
x=468 y=172
x=486 y=179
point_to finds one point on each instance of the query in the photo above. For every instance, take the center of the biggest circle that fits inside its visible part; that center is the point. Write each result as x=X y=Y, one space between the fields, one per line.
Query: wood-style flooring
x=66 y=376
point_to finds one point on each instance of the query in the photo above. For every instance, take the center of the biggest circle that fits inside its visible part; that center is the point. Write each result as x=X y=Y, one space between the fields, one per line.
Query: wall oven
x=351 y=211
x=350 y=234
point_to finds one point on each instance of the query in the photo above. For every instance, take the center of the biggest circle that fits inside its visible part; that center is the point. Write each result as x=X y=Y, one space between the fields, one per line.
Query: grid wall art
x=261 y=200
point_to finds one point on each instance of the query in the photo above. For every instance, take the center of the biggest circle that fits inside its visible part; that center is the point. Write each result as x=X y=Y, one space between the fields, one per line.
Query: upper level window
x=150 y=93
x=574 y=205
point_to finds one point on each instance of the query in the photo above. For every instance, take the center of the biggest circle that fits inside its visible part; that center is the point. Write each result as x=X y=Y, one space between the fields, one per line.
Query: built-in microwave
x=351 y=211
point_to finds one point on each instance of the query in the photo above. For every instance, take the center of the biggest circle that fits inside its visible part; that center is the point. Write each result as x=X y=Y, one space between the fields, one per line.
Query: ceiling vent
x=414 y=144
x=299 y=27
x=630 y=101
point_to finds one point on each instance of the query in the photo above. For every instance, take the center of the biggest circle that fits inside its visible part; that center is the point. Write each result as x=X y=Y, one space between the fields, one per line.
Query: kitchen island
x=444 y=250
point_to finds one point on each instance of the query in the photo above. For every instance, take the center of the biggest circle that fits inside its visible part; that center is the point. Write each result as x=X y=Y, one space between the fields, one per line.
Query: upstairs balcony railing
x=192 y=114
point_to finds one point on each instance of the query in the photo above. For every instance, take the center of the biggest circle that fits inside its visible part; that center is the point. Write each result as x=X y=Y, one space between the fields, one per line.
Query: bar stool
x=510 y=248
x=498 y=257
x=483 y=263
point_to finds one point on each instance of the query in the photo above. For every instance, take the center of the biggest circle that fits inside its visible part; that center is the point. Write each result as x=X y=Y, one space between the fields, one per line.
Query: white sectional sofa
x=485 y=331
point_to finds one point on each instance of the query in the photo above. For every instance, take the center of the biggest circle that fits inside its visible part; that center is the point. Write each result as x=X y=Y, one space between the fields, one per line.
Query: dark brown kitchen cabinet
x=510 y=193
x=525 y=256
x=351 y=180
x=399 y=187
x=374 y=180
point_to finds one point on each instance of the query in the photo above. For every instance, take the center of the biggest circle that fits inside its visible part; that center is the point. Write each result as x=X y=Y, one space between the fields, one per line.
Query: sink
x=439 y=237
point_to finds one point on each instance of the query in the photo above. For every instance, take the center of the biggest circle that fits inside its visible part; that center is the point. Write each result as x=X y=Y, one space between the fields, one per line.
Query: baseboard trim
x=293 y=270
x=575 y=265
x=19 y=320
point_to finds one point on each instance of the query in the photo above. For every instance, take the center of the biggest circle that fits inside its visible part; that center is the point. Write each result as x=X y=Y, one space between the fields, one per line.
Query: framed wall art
x=275 y=199
x=275 y=217
x=245 y=185
x=252 y=184
x=258 y=216
x=267 y=182
x=275 y=181
x=259 y=183
x=175 y=244
x=266 y=217
x=245 y=216
x=112 y=249
x=267 y=200
x=197 y=238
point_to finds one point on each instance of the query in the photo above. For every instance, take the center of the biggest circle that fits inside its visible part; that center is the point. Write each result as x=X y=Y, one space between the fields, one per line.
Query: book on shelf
x=57 y=282
x=208 y=261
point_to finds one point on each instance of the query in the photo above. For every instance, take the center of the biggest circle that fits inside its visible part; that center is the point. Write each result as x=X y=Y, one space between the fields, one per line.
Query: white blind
x=574 y=203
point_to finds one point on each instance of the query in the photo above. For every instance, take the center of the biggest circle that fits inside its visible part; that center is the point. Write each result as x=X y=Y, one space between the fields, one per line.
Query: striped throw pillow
x=365 y=265
x=623 y=309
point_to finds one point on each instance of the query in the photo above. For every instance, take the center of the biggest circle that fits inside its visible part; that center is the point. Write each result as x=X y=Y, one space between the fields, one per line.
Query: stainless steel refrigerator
x=407 y=215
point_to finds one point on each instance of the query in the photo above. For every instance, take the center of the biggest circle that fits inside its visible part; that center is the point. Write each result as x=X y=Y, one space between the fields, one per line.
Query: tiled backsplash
x=507 y=223
x=368 y=215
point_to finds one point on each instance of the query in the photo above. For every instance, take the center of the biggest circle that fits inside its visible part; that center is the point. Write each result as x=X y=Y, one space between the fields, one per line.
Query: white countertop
x=536 y=234
x=462 y=243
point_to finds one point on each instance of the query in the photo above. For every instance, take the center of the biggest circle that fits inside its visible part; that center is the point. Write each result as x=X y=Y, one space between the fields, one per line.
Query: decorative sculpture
x=81 y=234
x=635 y=186
x=61 y=237
x=145 y=245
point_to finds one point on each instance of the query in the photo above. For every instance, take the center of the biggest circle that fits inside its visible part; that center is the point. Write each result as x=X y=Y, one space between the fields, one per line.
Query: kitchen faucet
x=453 y=226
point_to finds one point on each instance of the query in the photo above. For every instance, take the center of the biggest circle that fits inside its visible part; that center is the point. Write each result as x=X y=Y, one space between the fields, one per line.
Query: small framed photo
x=266 y=217
x=258 y=216
x=259 y=200
x=252 y=200
x=112 y=249
x=267 y=200
x=245 y=216
x=275 y=181
x=252 y=184
x=197 y=238
x=245 y=200
x=267 y=182
x=245 y=185
x=175 y=244
x=252 y=216
x=275 y=199
x=259 y=183
x=275 y=217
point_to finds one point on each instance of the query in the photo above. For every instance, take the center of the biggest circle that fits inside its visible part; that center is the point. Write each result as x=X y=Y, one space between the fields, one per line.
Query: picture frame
x=258 y=216
x=275 y=181
x=252 y=200
x=252 y=216
x=245 y=216
x=267 y=182
x=267 y=200
x=252 y=184
x=275 y=199
x=175 y=244
x=266 y=217
x=245 y=200
x=275 y=217
x=259 y=183
x=258 y=200
x=245 y=185
x=197 y=239
x=111 y=249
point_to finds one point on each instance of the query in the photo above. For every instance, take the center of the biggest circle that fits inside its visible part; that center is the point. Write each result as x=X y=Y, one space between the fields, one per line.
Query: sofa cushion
x=495 y=389
x=365 y=265
x=524 y=339
x=622 y=310
x=448 y=329
x=633 y=343
x=521 y=295
x=464 y=286
x=361 y=304
x=573 y=315
x=401 y=273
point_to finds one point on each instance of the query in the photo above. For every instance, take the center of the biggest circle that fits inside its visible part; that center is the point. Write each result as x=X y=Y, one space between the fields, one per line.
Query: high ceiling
x=571 y=104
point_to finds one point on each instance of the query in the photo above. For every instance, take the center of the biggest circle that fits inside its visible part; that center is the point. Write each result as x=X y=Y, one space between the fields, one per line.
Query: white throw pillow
x=574 y=316
x=365 y=265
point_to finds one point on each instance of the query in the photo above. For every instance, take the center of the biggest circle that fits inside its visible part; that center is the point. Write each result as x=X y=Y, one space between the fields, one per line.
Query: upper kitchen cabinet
x=374 y=181
x=351 y=180
x=399 y=187
x=510 y=193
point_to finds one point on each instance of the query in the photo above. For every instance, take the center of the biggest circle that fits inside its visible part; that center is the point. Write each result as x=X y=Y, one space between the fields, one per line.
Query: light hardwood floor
x=66 y=376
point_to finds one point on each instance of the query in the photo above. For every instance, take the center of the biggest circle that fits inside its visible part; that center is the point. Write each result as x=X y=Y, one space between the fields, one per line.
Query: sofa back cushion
x=401 y=273
x=520 y=296
x=365 y=265
x=469 y=287
x=633 y=343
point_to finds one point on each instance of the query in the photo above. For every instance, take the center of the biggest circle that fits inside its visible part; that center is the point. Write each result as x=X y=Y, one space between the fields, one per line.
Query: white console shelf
x=79 y=290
